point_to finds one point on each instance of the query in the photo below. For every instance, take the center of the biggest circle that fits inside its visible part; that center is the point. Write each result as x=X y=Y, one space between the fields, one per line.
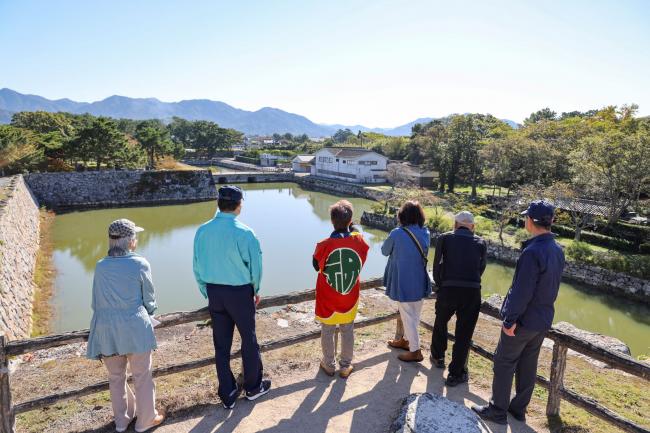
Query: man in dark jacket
x=527 y=314
x=458 y=264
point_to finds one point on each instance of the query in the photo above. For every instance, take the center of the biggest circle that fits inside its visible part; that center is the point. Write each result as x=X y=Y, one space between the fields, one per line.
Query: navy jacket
x=460 y=259
x=535 y=285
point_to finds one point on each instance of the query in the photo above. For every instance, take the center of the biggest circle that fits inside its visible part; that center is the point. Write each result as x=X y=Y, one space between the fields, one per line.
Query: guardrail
x=555 y=385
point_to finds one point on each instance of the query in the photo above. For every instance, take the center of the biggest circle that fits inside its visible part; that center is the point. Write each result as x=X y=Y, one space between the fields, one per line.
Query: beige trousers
x=127 y=406
x=328 y=344
x=410 y=314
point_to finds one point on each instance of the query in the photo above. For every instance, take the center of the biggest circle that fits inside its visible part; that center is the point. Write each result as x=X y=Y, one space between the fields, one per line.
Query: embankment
x=19 y=242
x=62 y=191
x=603 y=279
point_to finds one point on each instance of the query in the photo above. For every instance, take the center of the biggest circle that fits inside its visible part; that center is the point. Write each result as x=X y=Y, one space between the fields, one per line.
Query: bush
x=521 y=235
x=439 y=221
x=483 y=226
x=611 y=260
x=597 y=239
x=579 y=251
x=644 y=248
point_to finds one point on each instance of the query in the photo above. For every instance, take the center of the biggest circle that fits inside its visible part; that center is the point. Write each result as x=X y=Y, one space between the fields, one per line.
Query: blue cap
x=541 y=212
x=230 y=192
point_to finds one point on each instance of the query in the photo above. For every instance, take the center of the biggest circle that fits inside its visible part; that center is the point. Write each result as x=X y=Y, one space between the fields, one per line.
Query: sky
x=377 y=63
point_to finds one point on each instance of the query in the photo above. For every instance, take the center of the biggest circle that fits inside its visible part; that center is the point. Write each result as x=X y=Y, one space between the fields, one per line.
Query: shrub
x=579 y=251
x=439 y=221
x=483 y=225
x=644 y=248
x=511 y=230
x=521 y=235
x=597 y=239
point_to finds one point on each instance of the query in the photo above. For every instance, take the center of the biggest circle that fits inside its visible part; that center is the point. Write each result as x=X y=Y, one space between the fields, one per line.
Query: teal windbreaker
x=226 y=252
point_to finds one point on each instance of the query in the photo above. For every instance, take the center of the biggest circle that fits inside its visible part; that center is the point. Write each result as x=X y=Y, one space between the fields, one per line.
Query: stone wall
x=109 y=188
x=252 y=177
x=613 y=282
x=339 y=188
x=238 y=165
x=19 y=242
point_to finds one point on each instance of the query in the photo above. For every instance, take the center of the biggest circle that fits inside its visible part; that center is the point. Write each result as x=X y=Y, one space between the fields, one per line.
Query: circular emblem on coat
x=342 y=269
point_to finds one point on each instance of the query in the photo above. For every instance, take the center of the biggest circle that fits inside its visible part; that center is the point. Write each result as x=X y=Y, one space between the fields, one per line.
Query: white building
x=350 y=164
x=302 y=163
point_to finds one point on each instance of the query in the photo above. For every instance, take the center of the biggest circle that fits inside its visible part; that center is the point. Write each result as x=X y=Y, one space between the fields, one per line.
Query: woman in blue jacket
x=406 y=278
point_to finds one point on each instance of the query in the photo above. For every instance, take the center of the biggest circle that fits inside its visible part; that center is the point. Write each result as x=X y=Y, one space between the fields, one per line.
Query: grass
x=44 y=274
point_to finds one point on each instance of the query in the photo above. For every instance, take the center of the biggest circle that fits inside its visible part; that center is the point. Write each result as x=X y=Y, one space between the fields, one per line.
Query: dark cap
x=230 y=192
x=541 y=212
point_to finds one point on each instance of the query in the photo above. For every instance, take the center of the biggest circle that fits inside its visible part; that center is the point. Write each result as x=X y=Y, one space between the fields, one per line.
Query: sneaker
x=232 y=400
x=399 y=344
x=452 y=380
x=521 y=417
x=438 y=363
x=488 y=413
x=155 y=423
x=326 y=369
x=265 y=387
x=411 y=356
x=345 y=372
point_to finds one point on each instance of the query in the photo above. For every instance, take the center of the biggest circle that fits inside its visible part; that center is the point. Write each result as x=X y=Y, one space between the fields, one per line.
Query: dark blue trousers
x=232 y=306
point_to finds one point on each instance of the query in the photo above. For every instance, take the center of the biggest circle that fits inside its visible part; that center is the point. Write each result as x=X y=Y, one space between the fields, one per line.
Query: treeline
x=602 y=155
x=43 y=141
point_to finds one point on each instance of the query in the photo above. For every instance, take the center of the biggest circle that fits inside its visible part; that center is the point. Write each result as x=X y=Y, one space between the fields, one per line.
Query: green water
x=289 y=222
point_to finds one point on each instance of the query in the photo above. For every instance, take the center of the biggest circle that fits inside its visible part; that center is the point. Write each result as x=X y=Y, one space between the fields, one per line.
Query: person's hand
x=510 y=332
x=257 y=300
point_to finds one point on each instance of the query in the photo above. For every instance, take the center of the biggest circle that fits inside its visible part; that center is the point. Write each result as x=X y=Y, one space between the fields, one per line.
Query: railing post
x=556 y=383
x=7 y=418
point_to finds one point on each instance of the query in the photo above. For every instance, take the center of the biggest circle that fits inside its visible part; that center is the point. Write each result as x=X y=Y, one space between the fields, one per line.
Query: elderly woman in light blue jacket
x=121 y=331
x=406 y=279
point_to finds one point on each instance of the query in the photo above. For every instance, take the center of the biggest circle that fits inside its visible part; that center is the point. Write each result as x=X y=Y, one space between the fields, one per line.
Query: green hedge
x=598 y=239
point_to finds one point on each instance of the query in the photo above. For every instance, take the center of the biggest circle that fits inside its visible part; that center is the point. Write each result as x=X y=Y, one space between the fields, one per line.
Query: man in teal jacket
x=228 y=270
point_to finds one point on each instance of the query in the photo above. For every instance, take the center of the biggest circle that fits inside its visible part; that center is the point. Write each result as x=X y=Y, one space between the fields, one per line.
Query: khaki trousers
x=328 y=344
x=126 y=405
x=410 y=314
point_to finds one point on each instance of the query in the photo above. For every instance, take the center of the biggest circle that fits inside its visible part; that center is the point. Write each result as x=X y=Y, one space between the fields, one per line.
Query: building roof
x=304 y=158
x=350 y=152
x=588 y=207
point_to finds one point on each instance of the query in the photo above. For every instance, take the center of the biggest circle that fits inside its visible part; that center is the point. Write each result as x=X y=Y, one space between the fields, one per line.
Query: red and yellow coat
x=340 y=261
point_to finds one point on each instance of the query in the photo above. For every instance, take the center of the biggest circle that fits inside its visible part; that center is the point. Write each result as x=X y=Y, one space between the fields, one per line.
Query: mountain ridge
x=264 y=121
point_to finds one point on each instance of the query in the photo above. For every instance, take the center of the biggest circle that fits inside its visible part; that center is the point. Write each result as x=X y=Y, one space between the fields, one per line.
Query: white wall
x=369 y=168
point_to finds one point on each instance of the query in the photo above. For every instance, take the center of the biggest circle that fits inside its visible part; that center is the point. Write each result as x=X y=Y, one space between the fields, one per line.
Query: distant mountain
x=264 y=121
x=5 y=116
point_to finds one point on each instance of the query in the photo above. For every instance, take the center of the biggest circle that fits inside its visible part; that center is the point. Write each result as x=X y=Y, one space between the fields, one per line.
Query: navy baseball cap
x=230 y=192
x=541 y=212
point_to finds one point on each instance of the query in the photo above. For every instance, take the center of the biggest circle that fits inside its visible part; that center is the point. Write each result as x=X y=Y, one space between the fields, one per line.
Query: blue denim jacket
x=535 y=284
x=404 y=278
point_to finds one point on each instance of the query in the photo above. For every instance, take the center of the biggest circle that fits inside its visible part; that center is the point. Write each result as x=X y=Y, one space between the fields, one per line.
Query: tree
x=100 y=142
x=154 y=139
x=541 y=115
x=613 y=167
x=342 y=135
x=19 y=150
x=569 y=198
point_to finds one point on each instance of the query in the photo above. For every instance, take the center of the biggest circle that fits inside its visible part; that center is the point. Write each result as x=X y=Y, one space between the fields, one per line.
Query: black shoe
x=521 y=417
x=488 y=413
x=265 y=387
x=453 y=380
x=438 y=363
x=229 y=403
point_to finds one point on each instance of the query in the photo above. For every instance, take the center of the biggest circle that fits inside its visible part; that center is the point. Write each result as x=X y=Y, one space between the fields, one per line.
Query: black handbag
x=425 y=260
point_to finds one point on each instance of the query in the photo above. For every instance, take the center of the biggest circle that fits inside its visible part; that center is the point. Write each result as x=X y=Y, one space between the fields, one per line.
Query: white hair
x=120 y=246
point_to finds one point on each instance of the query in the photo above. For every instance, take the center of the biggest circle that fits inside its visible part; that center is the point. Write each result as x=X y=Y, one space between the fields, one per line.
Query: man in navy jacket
x=527 y=314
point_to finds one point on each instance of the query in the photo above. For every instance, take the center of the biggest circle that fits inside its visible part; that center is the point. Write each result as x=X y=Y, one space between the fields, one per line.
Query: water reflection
x=289 y=222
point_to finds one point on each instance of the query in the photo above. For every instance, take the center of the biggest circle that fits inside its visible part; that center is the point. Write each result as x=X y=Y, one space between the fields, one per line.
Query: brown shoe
x=345 y=372
x=155 y=423
x=328 y=370
x=412 y=356
x=399 y=344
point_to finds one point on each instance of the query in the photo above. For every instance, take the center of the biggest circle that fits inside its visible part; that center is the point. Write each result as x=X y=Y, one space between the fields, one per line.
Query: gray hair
x=120 y=246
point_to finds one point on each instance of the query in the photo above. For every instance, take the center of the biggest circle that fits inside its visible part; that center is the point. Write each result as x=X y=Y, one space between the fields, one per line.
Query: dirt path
x=312 y=402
